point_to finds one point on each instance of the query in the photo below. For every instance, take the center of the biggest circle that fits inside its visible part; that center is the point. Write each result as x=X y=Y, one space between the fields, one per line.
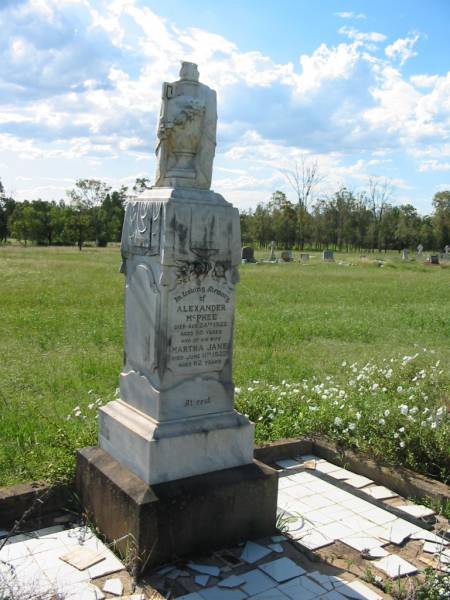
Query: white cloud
x=434 y=165
x=350 y=15
x=360 y=36
x=402 y=49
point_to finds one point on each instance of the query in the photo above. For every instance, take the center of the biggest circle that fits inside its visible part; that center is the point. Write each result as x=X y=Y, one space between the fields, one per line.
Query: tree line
x=348 y=221
x=364 y=221
x=92 y=212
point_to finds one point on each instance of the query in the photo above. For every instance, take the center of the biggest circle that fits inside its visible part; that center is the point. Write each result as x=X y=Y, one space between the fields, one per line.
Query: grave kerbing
x=175 y=417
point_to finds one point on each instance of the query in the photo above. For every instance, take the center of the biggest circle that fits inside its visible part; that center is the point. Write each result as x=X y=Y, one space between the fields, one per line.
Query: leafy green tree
x=7 y=206
x=87 y=199
x=441 y=218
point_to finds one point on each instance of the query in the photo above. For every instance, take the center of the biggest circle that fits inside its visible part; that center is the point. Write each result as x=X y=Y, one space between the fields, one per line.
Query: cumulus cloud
x=81 y=80
x=402 y=49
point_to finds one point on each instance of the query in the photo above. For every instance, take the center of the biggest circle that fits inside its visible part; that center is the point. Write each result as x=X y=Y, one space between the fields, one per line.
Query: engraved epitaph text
x=201 y=328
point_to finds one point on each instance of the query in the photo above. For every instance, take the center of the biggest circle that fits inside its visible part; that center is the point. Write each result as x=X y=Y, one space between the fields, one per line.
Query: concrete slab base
x=189 y=516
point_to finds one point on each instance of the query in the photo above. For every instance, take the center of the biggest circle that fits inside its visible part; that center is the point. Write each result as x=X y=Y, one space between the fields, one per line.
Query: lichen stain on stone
x=180 y=233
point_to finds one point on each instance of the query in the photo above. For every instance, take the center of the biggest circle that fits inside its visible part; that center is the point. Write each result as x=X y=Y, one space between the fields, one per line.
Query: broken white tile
x=341 y=474
x=113 y=586
x=398 y=531
x=379 y=516
x=285 y=482
x=257 y=582
x=82 y=558
x=357 y=590
x=326 y=581
x=434 y=547
x=395 y=566
x=201 y=580
x=356 y=522
x=276 y=548
x=282 y=569
x=217 y=593
x=379 y=492
x=378 y=552
x=272 y=594
x=110 y=565
x=302 y=588
x=333 y=595
x=205 y=569
x=417 y=510
x=63 y=576
x=253 y=552
x=338 y=496
x=326 y=467
x=278 y=538
x=320 y=517
x=232 y=581
x=313 y=540
x=316 y=500
x=13 y=551
x=361 y=543
x=358 y=481
x=335 y=531
x=83 y=591
x=429 y=536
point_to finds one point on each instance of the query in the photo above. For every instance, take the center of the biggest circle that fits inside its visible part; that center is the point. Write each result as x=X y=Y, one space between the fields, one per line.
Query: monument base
x=158 y=452
x=186 y=517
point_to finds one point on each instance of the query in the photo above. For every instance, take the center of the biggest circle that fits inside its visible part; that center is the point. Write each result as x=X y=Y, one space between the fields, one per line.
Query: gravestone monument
x=248 y=254
x=286 y=256
x=272 y=256
x=446 y=255
x=304 y=258
x=419 y=251
x=434 y=259
x=172 y=448
x=404 y=254
x=328 y=255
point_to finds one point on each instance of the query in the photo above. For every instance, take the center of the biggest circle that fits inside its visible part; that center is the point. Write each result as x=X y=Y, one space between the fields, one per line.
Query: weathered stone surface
x=304 y=257
x=328 y=255
x=185 y=517
x=186 y=132
x=175 y=416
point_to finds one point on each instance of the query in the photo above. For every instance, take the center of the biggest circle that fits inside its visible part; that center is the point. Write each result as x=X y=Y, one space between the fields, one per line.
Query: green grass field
x=61 y=338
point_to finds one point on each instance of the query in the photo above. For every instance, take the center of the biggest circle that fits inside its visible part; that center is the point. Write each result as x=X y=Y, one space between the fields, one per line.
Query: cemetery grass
x=303 y=333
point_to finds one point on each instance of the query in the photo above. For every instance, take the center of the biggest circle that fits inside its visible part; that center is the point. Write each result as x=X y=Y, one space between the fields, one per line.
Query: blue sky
x=360 y=87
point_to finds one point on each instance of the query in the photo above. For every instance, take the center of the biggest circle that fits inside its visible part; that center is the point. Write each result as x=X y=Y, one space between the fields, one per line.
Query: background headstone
x=272 y=251
x=304 y=257
x=248 y=254
x=404 y=254
x=446 y=255
x=286 y=256
x=434 y=259
x=419 y=251
x=328 y=255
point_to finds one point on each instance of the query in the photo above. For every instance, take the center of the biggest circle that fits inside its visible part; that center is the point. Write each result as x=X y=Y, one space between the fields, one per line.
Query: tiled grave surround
x=316 y=512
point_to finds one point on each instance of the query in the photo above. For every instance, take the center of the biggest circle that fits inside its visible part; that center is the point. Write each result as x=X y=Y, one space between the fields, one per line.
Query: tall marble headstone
x=181 y=250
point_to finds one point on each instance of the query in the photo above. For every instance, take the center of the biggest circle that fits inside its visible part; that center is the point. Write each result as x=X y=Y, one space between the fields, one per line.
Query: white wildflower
x=404 y=409
x=338 y=421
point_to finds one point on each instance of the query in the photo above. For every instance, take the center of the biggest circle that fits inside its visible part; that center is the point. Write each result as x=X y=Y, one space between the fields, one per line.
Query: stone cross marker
x=180 y=250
